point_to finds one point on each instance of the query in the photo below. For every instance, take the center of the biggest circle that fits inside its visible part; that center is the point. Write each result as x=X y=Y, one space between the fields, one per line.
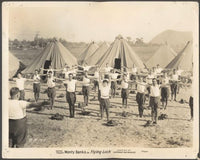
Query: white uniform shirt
x=149 y=78
x=86 y=68
x=124 y=84
x=179 y=72
x=71 y=85
x=141 y=87
x=107 y=69
x=175 y=77
x=17 y=109
x=104 y=90
x=96 y=75
x=20 y=83
x=114 y=76
x=158 y=70
x=36 y=78
x=50 y=82
x=155 y=91
x=165 y=80
x=86 y=81
x=134 y=70
x=50 y=70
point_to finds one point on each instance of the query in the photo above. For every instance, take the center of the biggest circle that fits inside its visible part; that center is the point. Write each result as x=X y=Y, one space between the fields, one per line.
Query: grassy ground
x=90 y=131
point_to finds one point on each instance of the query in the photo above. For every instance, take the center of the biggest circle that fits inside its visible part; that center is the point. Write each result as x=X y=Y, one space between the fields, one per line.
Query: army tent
x=162 y=56
x=120 y=53
x=54 y=54
x=91 y=48
x=184 y=60
x=14 y=65
x=93 y=59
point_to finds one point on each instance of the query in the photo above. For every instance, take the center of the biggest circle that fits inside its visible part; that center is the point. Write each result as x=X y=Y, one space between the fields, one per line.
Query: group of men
x=150 y=86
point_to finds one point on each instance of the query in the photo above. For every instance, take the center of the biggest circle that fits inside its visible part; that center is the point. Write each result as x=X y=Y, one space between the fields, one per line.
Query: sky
x=99 y=21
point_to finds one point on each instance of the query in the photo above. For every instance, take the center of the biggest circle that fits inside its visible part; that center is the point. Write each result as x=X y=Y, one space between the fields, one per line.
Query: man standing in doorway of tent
x=154 y=100
x=174 y=81
x=51 y=90
x=36 y=85
x=104 y=91
x=86 y=88
x=70 y=86
x=20 y=84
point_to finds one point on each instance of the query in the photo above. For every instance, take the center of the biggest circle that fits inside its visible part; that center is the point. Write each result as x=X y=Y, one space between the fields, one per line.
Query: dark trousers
x=71 y=100
x=140 y=98
x=86 y=92
x=113 y=88
x=96 y=85
x=104 y=105
x=164 y=95
x=154 y=103
x=36 y=90
x=191 y=106
x=173 y=90
x=124 y=96
x=17 y=132
x=22 y=95
x=51 y=92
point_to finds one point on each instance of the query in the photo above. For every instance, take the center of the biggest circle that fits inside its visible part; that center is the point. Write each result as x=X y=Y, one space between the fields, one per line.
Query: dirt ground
x=90 y=131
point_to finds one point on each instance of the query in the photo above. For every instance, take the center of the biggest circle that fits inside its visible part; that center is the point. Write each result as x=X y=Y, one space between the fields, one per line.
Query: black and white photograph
x=100 y=79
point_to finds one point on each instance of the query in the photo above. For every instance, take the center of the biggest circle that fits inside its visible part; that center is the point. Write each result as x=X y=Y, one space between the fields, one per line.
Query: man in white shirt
x=104 y=94
x=36 y=85
x=51 y=90
x=140 y=96
x=174 y=81
x=154 y=100
x=17 y=119
x=20 y=84
x=124 y=91
x=70 y=86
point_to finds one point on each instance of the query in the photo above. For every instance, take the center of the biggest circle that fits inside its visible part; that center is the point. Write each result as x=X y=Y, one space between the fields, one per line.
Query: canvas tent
x=14 y=65
x=162 y=56
x=92 y=47
x=93 y=59
x=184 y=60
x=120 y=52
x=54 y=54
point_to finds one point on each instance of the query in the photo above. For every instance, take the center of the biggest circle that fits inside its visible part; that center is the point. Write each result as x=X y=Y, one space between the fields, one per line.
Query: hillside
x=176 y=39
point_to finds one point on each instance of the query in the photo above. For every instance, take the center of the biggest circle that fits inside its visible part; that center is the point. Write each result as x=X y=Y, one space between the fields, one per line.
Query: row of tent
x=58 y=56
